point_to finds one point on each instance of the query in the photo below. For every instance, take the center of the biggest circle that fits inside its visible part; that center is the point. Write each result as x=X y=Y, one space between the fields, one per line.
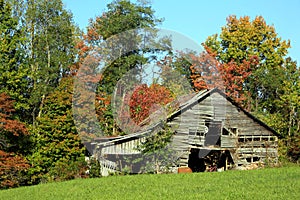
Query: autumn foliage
x=146 y=100
x=12 y=163
x=67 y=85
x=12 y=168
x=8 y=125
x=207 y=73
x=204 y=71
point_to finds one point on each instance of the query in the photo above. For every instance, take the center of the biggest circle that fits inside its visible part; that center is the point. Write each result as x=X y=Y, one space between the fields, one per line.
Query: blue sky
x=199 y=19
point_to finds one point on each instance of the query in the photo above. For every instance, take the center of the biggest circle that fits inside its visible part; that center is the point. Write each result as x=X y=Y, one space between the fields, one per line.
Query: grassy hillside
x=275 y=183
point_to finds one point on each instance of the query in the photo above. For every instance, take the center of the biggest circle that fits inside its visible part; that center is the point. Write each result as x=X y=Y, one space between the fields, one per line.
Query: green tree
x=175 y=74
x=121 y=16
x=50 y=34
x=156 y=149
x=286 y=119
x=13 y=68
x=56 y=137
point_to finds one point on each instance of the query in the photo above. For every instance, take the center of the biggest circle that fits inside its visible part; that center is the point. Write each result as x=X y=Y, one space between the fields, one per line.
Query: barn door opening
x=196 y=163
x=213 y=160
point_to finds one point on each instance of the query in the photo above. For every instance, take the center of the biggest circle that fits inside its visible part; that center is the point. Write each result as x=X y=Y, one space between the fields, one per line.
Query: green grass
x=270 y=183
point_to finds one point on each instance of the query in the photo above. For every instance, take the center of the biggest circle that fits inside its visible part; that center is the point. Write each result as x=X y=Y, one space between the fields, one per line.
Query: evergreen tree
x=57 y=143
x=13 y=67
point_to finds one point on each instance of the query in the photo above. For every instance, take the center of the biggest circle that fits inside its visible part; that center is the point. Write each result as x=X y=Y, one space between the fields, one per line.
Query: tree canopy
x=268 y=86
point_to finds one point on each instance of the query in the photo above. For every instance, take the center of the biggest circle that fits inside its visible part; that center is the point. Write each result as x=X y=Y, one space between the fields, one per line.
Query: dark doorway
x=196 y=163
x=211 y=161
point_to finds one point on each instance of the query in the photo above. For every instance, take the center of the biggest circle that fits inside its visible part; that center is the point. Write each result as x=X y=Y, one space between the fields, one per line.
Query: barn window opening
x=256 y=159
x=253 y=159
x=225 y=131
x=241 y=139
x=229 y=131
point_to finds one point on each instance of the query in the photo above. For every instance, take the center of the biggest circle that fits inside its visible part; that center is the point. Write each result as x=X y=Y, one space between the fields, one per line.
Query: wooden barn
x=211 y=132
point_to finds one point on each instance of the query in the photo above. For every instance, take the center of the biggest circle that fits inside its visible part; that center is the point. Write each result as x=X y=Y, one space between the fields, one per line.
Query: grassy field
x=271 y=183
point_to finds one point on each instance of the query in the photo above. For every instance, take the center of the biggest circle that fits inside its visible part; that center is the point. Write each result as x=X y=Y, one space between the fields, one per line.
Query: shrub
x=94 y=168
x=66 y=170
x=12 y=170
x=293 y=151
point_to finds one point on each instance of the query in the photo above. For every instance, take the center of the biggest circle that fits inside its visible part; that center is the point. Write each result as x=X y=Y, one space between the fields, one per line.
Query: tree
x=204 y=72
x=147 y=100
x=289 y=102
x=13 y=144
x=37 y=48
x=241 y=39
x=272 y=86
x=50 y=46
x=286 y=119
x=208 y=73
x=12 y=170
x=13 y=133
x=13 y=68
x=120 y=16
x=56 y=138
x=175 y=74
x=156 y=149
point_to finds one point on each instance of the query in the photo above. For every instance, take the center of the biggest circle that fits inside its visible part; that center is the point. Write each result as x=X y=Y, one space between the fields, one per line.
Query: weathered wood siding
x=128 y=147
x=247 y=139
x=187 y=125
x=253 y=142
x=211 y=122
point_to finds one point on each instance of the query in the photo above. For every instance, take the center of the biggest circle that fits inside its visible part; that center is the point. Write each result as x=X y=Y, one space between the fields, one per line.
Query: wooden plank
x=228 y=141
